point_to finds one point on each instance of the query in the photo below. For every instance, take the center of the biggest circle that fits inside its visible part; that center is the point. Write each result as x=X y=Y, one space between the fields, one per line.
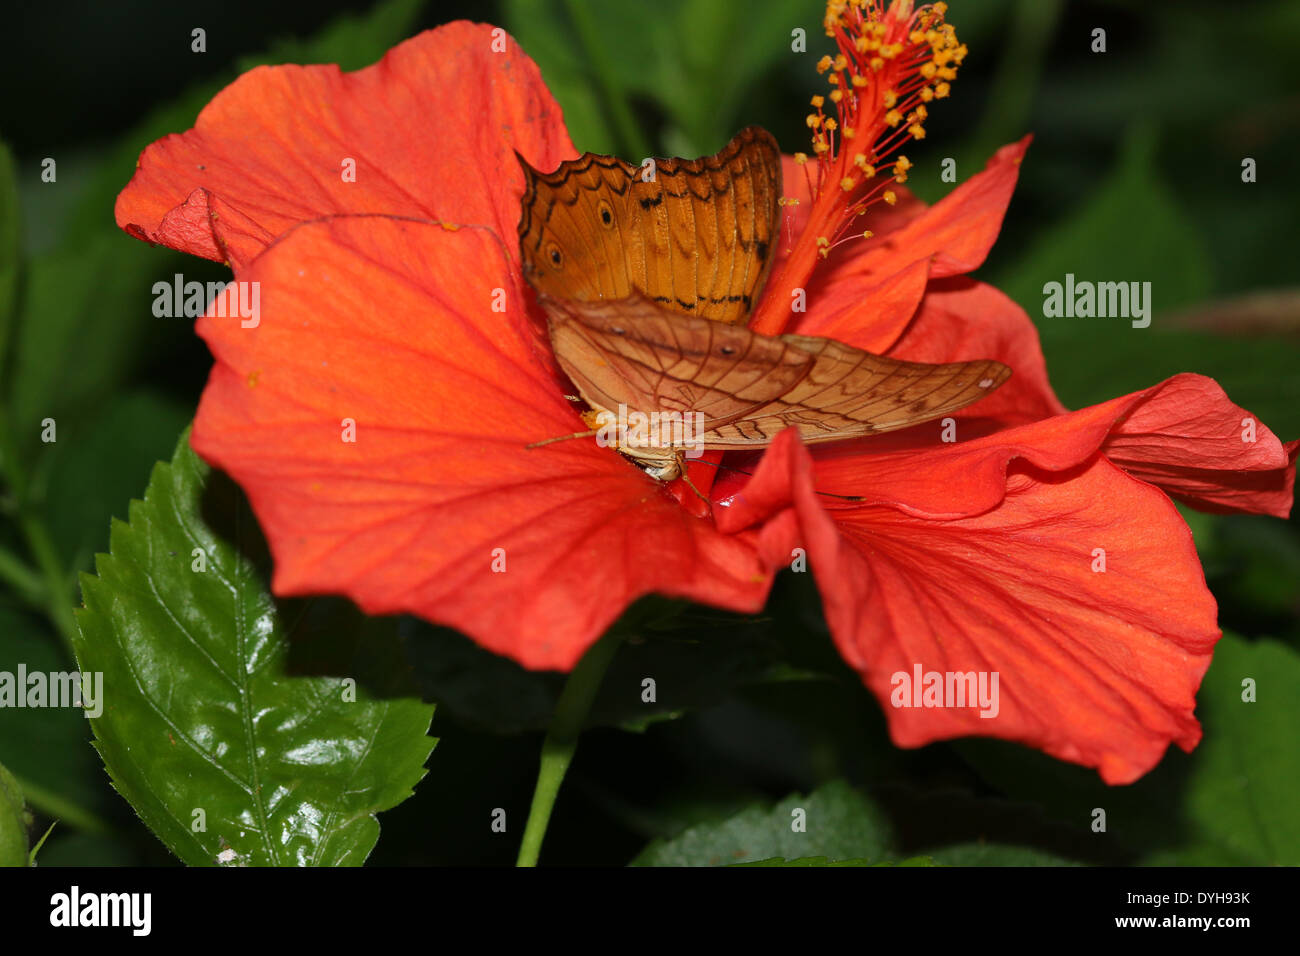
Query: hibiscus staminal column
x=891 y=63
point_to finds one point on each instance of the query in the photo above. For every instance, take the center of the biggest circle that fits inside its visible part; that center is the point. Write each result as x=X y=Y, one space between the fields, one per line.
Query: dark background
x=1134 y=175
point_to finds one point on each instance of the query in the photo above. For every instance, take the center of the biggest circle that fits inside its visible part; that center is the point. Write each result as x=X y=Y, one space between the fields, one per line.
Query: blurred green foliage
x=1134 y=174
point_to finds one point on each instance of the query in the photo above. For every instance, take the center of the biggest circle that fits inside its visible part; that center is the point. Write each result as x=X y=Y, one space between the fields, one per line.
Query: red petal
x=1099 y=669
x=843 y=316
x=957 y=232
x=389 y=323
x=431 y=127
x=1198 y=446
x=915 y=471
x=962 y=319
x=949 y=238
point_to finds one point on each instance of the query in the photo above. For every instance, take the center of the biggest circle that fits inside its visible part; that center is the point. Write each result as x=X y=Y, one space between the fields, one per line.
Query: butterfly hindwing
x=750 y=386
x=635 y=353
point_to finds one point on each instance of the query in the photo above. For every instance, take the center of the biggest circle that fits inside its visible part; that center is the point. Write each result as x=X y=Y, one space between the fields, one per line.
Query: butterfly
x=646 y=281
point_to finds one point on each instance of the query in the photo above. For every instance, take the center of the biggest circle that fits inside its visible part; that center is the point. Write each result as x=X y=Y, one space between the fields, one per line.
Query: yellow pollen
x=876 y=64
x=891 y=99
x=837 y=95
x=848 y=132
x=867 y=234
x=813 y=120
x=818 y=101
x=840 y=63
x=823 y=64
x=940 y=91
x=831 y=124
x=859 y=81
x=893 y=117
x=902 y=164
x=820 y=147
x=801 y=158
x=847 y=184
x=927 y=94
x=868 y=170
x=890 y=196
x=917 y=131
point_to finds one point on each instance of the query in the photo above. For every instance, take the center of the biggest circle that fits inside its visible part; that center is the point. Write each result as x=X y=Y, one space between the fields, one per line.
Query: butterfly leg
x=685 y=476
x=547 y=441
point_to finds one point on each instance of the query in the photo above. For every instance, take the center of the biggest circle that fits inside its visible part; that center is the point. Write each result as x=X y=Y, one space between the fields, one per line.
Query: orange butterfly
x=643 y=281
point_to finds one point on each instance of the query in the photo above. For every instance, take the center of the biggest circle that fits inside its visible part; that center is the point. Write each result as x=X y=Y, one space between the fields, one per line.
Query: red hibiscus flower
x=378 y=411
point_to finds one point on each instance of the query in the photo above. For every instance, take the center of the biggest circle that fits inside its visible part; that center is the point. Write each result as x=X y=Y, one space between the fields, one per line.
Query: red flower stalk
x=394 y=305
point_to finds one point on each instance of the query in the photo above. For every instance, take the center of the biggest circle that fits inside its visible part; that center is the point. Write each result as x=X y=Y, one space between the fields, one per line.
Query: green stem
x=629 y=133
x=562 y=741
x=58 y=599
x=59 y=807
x=1015 y=83
x=26 y=583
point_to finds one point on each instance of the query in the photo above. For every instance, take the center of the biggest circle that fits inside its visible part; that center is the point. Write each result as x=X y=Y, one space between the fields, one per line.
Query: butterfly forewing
x=568 y=249
x=697 y=239
x=849 y=393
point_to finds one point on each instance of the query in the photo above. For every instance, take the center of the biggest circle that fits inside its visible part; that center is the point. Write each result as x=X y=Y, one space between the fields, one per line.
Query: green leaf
x=84 y=327
x=545 y=37
x=996 y=854
x=13 y=822
x=1241 y=792
x=699 y=62
x=823 y=861
x=89 y=302
x=36 y=848
x=10 y=241
x=695 y=657
x=1230 y=802
x=100 y=460
x=352 y=41
x=87 y=319
x=66 y=848
x=49 y=748
x=205 y=709
x=840 y=824
x=1133 y=229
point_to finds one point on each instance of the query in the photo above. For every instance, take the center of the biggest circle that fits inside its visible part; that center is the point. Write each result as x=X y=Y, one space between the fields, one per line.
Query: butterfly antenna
x=547 y=441
x=718 y=464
